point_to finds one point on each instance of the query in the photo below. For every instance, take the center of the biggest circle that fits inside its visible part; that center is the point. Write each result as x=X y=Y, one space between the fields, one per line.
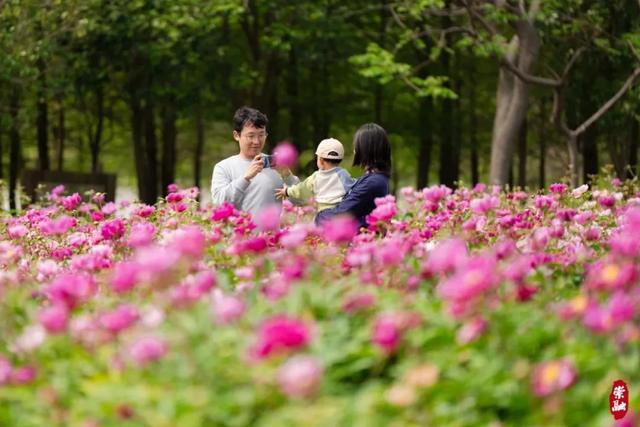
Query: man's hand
x=281 y=193
x=254 y=168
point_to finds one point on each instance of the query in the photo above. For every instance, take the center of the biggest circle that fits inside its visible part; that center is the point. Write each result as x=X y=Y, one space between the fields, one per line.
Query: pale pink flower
x=471 y=330
x=446 y=256
x=189 y=241
x=5 y=371
x=226 y=308
x=552 y=376
x=300 y=376
x=17 y=231
x=148 y=349
x=268 y=219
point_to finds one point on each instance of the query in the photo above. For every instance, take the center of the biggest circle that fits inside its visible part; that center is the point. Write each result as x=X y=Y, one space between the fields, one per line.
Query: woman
x=373 y=154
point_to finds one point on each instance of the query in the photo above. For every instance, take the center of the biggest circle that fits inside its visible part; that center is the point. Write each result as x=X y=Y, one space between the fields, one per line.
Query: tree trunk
x=293 y=94
x=512 y=100
x=634 y=135
x=197 y=159
x=447 y=173
x=473 y=131
x=169 y=135
x=96 y=140
x=139 y=149
x=458 y=122
x=572 y=145
x=522 y=155
x=542 y=136
x=426 y=142
x=14 y=149
x=60 y=134
x=589 y=153
x=42 y=125
x=151 y=156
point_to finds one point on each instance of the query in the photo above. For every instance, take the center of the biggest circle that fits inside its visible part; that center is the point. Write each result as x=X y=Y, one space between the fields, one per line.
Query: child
x=329 y=183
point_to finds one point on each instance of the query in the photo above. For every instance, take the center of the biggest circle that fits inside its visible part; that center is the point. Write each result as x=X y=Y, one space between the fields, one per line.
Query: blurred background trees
x=508 y=92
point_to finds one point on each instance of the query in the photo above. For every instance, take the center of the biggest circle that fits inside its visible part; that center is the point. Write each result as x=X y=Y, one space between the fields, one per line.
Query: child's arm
x=302 y=191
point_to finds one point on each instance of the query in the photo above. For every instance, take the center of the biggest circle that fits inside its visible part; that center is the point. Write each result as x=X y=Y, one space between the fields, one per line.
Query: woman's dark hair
x=244 y=115
x=372 y=148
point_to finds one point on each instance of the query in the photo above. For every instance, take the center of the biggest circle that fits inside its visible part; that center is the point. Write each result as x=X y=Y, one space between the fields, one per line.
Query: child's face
x=319 y=163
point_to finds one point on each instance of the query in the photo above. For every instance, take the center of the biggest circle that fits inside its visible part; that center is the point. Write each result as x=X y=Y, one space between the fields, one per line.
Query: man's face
x=251 y=140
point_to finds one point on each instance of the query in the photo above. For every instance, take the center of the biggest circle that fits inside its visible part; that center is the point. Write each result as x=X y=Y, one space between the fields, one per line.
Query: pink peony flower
x=280 y=333
x=223 y=212
x=71 y=202
x=340 y=229
x=23 y=375
x=112 y=230
x=148 y=349
x=54 y=318
x=17 y=231
x=268 y=219
x=226 y=308
x=145 y=211
x=552 y=376
x=71 y=289
x=5 y=371
x=386 y=333
x=300 y=376
x=471 y=330
x=285 y=155
x=123 y=317
x=558 y=188
x=445 y=257
x=125 y=276
x=189 y=241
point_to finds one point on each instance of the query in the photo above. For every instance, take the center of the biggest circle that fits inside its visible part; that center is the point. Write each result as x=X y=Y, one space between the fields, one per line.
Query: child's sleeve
x=346 y=180
x=304 y=190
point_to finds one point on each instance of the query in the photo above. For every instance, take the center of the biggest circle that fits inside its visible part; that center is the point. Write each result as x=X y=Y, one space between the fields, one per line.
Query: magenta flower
x=552 y=376
x=445 y=257
x=280 y=333
x=471 y=281
x=141 y=234
x=268 y=219
x=71 y=202
x=5 y=371
x=340 y=229
x=17 y=231
x=300 y=376
x=558 y=188
x=71 y=289
x=223 y=212
x=148 y=349
x=54 y=318
x=123 y=317
x=125 y=276
x=386 y=333
x=189 y=241
x=112 y=230
x=23 y=375
x=285 y=155
x=145 y=211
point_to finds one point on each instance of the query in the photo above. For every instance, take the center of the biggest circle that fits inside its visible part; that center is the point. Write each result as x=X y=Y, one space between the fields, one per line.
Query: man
x=242 y=179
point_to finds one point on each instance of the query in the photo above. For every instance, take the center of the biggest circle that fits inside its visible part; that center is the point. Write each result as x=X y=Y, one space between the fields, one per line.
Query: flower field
x=473 y=307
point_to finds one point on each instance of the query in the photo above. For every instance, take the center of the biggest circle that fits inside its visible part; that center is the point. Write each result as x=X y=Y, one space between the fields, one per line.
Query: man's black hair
x=244 y=115
x=372 y=148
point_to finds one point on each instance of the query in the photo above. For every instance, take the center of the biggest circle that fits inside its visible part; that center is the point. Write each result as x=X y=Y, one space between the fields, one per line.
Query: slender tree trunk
x=590 y=165
x=379 y=89
x=151 y=150
x=139 y=149
x=447 y=145
x=42 y=125
x=295 y=112
x=169 y=136
x=61 y=134
x=197 y=159
x=522 y=155
x=458 y=120
x=512 y=100
x=426 y=141
x=96 y=141
x=542 y=136
x=473 y=131
x=634 y=135
x=14 y=149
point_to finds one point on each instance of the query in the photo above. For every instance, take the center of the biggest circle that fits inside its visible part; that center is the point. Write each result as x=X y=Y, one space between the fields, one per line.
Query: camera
x=267 y=161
